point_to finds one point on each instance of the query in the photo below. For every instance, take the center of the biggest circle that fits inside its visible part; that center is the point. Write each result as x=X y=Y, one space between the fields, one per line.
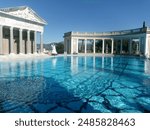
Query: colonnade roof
x=23 y=12
x=112 y=33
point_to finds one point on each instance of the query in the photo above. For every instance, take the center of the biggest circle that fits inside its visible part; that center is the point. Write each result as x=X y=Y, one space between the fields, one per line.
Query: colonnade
x=72 y=45
x=76 y=50
x=30 y=48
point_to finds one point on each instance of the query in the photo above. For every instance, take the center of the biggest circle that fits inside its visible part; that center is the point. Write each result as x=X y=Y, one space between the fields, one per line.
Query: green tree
x=60 y=47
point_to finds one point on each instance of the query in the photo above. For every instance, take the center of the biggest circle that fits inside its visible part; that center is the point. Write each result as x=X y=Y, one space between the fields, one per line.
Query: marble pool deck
x=9 y=57
x=5 y=58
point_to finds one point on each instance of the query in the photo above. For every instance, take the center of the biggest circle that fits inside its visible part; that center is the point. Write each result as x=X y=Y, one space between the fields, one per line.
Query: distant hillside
x=59 y=47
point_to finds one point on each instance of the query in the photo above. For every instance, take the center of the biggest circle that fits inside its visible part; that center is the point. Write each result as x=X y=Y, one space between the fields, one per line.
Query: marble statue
x=54 y=52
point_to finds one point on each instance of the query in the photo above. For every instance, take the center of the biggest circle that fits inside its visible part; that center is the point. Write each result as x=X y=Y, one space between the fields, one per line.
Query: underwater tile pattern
x=80 y=84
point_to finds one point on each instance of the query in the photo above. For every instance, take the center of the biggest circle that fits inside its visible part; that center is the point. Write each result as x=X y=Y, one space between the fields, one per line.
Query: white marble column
x=72 y=45
x=112 y=46
x=137 y=48
x=147 y=46
x=34 y=44
x=41 y=42
x=121 y=47
x=65 y=46
x=103 y=45
x=85 y=44
x=94 y=46
x=1 y=39
x=11 y=40
x=20 y=42
x=28 y=41
x=77 y=49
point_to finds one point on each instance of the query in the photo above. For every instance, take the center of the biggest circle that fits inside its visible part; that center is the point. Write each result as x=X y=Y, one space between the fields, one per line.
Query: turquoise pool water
x=76 y=84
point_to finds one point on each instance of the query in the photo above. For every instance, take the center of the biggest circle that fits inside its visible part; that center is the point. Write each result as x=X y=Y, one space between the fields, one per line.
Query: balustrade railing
x=122 y=32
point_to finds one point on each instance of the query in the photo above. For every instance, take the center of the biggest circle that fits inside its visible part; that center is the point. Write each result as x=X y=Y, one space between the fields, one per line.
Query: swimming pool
x=76 y=84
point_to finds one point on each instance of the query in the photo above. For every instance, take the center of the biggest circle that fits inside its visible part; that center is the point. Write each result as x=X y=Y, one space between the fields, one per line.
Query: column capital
x=28 y=31
x=20 y=29
x=11 y=27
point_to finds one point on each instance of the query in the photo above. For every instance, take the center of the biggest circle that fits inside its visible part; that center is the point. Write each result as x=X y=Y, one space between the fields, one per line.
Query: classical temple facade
x=19 y=27
x=133 y=42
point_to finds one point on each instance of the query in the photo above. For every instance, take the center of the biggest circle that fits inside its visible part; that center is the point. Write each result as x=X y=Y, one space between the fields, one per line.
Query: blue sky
x=86 y=15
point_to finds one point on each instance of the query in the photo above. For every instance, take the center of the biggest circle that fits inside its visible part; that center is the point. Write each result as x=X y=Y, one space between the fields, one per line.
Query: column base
x=36 y=54
x=12 y=54
x=21 y=54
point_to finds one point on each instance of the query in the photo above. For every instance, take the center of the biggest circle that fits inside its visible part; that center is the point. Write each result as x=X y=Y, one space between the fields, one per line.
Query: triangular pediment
x=25 y=13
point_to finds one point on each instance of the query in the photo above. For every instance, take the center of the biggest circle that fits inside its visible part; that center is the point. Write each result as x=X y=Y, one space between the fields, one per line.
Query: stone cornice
x=26 y=18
